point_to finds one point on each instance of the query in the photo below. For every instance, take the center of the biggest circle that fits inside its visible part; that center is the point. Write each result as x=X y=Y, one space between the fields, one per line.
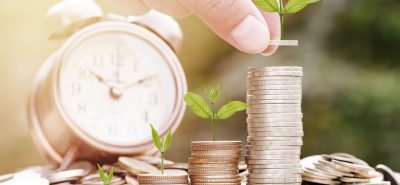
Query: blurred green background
x=351 y=97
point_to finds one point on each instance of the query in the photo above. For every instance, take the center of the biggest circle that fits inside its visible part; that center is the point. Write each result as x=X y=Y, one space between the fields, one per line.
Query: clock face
x=112 y=85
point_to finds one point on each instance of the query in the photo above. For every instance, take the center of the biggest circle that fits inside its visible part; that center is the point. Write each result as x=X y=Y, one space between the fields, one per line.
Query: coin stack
x=169 y=177
x=274 y=124
x=340 y=168
x=215 y=162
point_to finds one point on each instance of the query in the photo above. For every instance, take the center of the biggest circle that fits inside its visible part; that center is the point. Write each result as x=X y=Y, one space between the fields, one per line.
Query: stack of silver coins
x=215 y=162
x=274 y=124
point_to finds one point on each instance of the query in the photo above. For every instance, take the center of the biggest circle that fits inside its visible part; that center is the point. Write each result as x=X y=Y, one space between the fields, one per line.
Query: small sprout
x=105 y=178
x=161 y=144
x=291 y=7
x=203 y=110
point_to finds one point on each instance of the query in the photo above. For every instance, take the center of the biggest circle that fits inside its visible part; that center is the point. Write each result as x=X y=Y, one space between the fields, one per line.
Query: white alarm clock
x=95 y=97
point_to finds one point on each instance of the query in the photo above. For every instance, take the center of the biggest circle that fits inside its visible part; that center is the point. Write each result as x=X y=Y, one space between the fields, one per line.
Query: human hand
x=239 y=22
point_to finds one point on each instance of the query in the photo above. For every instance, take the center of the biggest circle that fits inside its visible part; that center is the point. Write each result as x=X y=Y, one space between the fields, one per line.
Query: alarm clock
x=95 y=97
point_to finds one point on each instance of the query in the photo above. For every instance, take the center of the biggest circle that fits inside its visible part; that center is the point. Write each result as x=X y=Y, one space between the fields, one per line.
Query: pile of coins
x=215 y=162
x=274 y=124
x=340 y=168
x=126 y=171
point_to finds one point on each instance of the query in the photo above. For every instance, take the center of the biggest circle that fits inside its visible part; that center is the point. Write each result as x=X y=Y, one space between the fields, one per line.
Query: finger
x=128 y=7
x=273 y=22
x=171 y=7
x=238 y=22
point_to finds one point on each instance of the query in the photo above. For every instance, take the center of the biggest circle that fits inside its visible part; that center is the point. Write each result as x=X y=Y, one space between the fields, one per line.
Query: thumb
x=238 y=22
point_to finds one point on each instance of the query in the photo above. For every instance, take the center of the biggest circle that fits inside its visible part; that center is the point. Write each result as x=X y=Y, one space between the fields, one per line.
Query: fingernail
x=251 y=35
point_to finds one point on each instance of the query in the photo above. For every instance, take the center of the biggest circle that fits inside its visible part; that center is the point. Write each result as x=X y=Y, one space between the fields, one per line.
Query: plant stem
x=213 y=126
x=162 y=163
x=281 y=15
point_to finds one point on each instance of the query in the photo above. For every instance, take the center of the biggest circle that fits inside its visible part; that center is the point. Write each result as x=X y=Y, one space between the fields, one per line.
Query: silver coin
x=274 y=124
x=274 y=97
x=273 y=166
x=275 y=73
x=276 y=120
x=270 y=161
x=274 y=87
x=268 y=111
x=276 y=171
x=275 y=106
x=279 y=180
x=275 y=129
x=273 y=176
x=256 y=148
x=276 y=133
x=273 y=152
x=276 y=115
x=273 y=82
x=276 y=143
x=276 y=68
x=272 y=157
x=272 y=101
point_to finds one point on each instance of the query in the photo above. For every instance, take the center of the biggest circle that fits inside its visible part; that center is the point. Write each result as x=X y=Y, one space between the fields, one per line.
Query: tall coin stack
x=274 y=123
x=214 y=162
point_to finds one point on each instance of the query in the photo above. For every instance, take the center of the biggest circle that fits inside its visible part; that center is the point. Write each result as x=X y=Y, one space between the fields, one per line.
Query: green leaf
x=110 y=176
x=167 y=141
x=267 y=5
x=294 y=6
x=198 y=104
x=102 y=175
x=212 y=94
x=156 y=138
x=230 y=108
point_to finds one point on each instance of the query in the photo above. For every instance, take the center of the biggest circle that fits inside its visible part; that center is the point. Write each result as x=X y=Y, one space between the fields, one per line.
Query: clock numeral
x=153 y=99
x=81 y=108
x=84 y=73
x=98 y=61
x=146 y=117
x=76 y=89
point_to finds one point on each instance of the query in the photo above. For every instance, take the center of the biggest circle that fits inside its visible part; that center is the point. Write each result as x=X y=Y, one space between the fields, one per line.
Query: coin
x=262 y=134
x=276 y=68
x=320 y=181
x=232 y=156
x=274 y=97
x=272 y=138
x=273 y=124
x=275 y=73
x=276 y=171
x=276 y=129
x=273 y=152
x=274 y=120
x=216 y=147
x=251 y=101
x=67 y=175
x=273 y=161
x=274 y=87
x=201 y=180
x=275 y=106
x=263 y=148
x=273 y=176
x=215 y=143
x=278 y=180
x=253 y=110
x=276 y=115
x=136 y=166
x=276 y=143
x=212 y=160
x=272 y=82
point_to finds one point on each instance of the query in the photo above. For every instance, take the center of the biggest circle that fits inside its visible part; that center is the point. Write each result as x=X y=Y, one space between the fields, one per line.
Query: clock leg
x=69 y=157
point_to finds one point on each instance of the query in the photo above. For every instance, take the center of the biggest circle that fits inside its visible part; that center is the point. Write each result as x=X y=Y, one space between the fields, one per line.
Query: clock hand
x=140 y=81
x=103 y=80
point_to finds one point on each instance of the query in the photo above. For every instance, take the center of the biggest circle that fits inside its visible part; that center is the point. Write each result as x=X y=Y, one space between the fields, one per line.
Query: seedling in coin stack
x=105 y=178
x=291 y=7
x=203 y=110
x=161 y=144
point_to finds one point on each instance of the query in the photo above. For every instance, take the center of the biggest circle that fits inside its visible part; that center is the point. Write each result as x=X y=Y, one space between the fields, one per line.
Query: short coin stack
x=340 y=168
x=215 y=162
x=274 y=123
x=169 y=177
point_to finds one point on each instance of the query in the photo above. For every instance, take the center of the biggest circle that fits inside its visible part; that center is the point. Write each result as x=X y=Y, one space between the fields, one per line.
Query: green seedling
x=201 y=108
x=291 y=7
x=161 y=144
x=105 y=178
